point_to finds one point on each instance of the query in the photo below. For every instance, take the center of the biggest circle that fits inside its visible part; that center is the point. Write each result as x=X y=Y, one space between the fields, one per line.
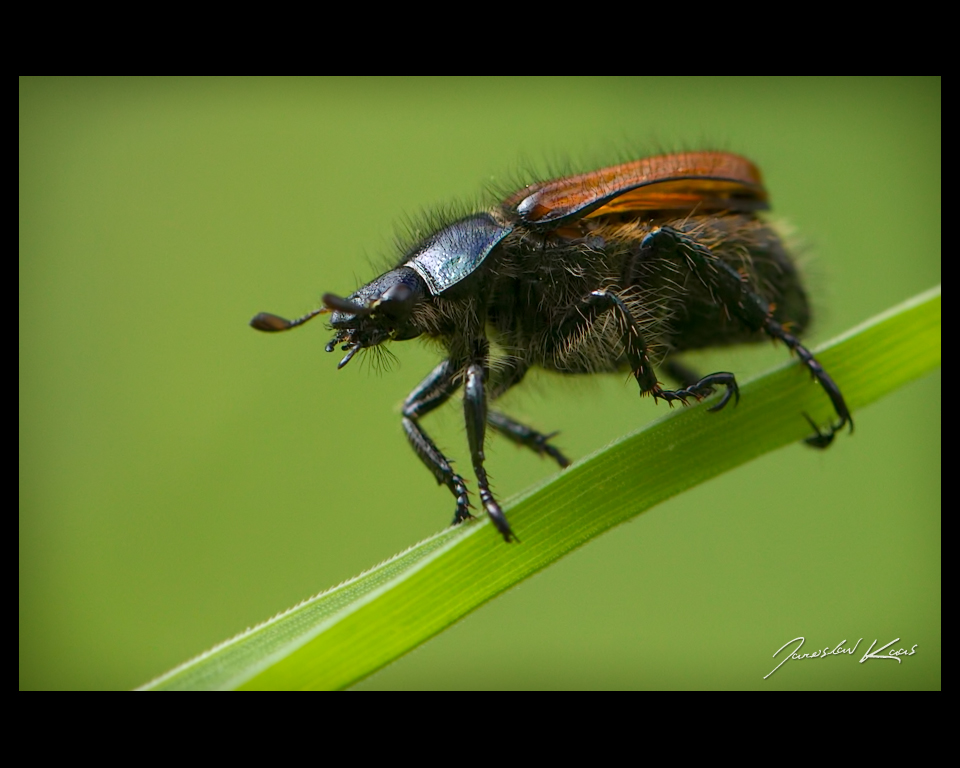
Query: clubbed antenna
x=332 y=301
x=271 y=323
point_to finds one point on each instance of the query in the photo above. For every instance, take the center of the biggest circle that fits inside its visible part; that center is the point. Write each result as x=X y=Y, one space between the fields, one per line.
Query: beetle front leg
x=432 y=392
x=475 y=414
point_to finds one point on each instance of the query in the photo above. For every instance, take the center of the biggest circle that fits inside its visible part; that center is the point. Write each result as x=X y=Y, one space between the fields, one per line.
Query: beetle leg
x=595 y=304
x=432 y=392
x=704 y=388
x=502 y=380
x=728 y=288
x=636 y=350
x=697 y=386
x=524 y=435
x=820 y=439
x=475 y=414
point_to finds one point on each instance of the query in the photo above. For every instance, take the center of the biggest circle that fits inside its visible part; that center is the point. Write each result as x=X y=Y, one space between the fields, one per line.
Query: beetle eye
x=397 y=301
x=399 y=294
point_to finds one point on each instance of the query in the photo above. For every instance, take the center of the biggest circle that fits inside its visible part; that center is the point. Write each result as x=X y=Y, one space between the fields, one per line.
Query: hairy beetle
x=609 y=270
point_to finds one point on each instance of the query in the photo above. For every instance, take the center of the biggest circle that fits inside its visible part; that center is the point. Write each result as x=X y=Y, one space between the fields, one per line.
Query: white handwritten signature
x=839 y=650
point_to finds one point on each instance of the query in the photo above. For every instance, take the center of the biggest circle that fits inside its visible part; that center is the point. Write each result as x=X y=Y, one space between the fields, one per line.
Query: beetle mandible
x=614 y=269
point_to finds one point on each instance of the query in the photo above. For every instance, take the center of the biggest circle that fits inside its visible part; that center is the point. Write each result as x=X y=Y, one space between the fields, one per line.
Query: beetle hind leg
x=822 y=438
x=730 y=290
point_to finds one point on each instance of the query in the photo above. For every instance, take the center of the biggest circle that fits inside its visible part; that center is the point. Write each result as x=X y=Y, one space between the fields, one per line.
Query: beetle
x=619 y=268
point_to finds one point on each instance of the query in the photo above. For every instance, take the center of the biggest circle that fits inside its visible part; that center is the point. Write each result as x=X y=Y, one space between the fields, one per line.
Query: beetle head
x=379 y=311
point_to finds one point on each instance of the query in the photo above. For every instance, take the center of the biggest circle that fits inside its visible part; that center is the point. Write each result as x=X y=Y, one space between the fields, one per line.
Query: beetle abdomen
x=537 y=307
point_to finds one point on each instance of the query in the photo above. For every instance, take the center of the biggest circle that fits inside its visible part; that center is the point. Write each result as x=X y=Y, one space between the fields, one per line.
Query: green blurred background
x=183 y=477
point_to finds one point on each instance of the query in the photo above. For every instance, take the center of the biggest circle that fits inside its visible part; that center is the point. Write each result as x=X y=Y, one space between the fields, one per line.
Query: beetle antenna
x=332 y=301
x=270 y=323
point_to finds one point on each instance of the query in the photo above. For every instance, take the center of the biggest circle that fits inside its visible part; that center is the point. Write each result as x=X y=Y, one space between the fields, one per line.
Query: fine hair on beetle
x=618 y=269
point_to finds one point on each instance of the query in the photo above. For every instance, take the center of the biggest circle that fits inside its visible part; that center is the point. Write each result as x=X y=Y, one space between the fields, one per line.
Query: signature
x=839 y=650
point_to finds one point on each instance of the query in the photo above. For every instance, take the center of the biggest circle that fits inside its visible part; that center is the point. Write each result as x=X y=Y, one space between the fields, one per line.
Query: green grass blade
x=339 y=637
